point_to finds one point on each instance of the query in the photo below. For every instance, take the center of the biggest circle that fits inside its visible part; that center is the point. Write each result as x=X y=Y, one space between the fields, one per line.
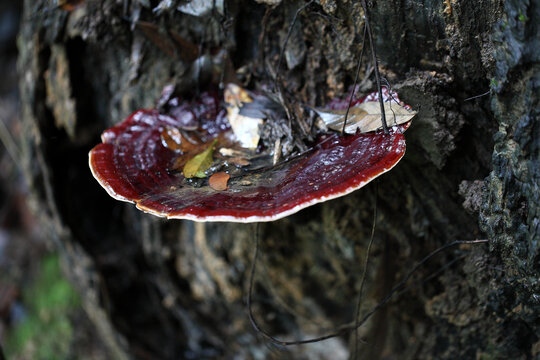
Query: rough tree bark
x=161 y=289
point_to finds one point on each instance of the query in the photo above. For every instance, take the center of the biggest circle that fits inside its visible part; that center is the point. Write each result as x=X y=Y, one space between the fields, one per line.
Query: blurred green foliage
x=46 y=331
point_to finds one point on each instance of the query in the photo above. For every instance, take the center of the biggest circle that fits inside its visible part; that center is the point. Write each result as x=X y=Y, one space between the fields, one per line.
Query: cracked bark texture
x=161 y=289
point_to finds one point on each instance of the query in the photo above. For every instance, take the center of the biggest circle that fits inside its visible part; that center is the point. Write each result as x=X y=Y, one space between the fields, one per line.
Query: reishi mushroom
x=133 y=164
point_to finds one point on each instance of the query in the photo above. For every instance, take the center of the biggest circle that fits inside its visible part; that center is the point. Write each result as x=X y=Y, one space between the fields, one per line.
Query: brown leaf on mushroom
x=171 y=138
x=219 y=180
x=174 y=139
x=365 y=117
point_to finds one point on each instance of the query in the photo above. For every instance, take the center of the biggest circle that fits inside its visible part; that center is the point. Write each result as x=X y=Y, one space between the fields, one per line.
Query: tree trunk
x=160 y=289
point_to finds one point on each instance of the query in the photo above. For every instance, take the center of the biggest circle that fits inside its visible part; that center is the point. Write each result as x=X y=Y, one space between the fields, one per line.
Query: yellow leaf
x=197 y=165
x=366 y=117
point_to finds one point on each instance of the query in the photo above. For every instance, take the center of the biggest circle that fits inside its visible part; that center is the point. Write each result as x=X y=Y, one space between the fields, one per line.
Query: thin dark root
x=398 y=289
x=432 y=276
x=284 y=46
x=375 y=65
x=250 y=310
x=364 y=273
x=355 y=80
x=391 y=98
x=478 y=96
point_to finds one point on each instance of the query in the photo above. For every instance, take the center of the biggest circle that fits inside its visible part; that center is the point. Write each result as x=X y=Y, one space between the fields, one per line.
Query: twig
x=477 y=96
x=397 y=289
x=376 y=66
x=250 y=310
x=432 y=276
x=348 y=327
x=366 y=262
x=391 y=99
x=355 y=80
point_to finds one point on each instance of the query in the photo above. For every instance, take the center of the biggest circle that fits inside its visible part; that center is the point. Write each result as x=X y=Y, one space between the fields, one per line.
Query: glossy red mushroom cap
x=133 y=165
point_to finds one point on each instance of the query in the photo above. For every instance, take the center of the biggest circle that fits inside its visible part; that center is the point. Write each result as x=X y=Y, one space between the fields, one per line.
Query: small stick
x=398 y=289
x=477 y=96
x=252 y=317
x=391 y=99
x=376 y=65
x=355 y=80
x=364 y=273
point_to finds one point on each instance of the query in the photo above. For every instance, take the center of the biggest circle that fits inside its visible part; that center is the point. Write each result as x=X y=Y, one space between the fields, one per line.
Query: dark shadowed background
x=147 y=288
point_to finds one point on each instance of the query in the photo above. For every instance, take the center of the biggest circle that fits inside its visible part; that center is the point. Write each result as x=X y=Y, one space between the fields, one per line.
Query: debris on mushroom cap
x=245 y=128
x=135 y=164
x=218 y=181
x=365 y=117
x=197 y=165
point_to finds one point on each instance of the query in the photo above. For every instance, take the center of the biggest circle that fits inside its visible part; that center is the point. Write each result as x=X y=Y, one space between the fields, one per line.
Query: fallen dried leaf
x=245 y=128
x=197 y=165
x=172 y=138
x=219 y=180
x=366 y=117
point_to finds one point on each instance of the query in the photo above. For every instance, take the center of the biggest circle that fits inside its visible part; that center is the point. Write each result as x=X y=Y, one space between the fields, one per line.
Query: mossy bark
x=176 y=289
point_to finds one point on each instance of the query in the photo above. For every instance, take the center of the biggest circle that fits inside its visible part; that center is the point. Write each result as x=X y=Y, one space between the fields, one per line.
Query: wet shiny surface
x=132 y=165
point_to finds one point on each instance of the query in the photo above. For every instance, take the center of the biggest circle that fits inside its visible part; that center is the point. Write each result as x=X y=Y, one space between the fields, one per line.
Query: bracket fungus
x=140 y=161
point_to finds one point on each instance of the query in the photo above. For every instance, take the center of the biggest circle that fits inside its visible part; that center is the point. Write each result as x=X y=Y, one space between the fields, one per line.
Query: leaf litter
x=261 y=132
x=164 y=164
